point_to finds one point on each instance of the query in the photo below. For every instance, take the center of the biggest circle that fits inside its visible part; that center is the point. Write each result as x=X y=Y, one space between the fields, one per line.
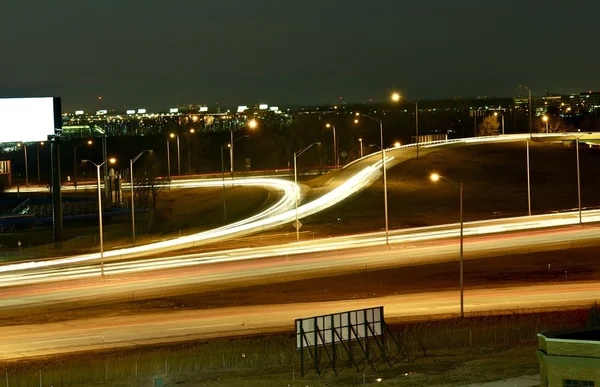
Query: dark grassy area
x=188 y=210
x=495 y=185
x=442 y=352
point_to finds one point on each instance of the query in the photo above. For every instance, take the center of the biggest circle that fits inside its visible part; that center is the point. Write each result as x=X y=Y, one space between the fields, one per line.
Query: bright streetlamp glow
x=545 y=118
x=172 y=135
x=397 y=144
x=396 y=97
x=335 y=155
x=435 y=178
x=252 y=124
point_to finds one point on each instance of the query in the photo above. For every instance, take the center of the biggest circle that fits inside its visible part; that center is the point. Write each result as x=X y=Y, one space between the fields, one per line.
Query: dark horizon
x=155 y=54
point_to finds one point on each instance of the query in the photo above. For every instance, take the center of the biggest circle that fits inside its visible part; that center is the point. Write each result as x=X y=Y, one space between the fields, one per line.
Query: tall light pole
x=131 y=161
x=24 y=146
x=385 y=199
x=252 y=124
x=38 y=160
x=189 y=169
x=336 y=159
x=578 y=173
x=89 y=142
x=223 y=178
x=111 y=161
x=528 y=181
x=396 y=97
x=169 y=156
x=172 y=135
x=547 y=121
x=435 y=178
x=529 y=93
x=360 y=140
x=502 y=118
x=296 y=154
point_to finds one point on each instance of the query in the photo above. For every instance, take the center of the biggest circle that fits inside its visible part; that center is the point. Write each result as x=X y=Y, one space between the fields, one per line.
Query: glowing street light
x=360 y=140
x=133 y=160
x=112 y=160
x=252 y=124
x=385 y=199
x=24 y=146
x=88 y=142
x=435 y=178
x=336 y=160
x=396 y=97
x=547 y=121
x=296 y=154
x=502 y=117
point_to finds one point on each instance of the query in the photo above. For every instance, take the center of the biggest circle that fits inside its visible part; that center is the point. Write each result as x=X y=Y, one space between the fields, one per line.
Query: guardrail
x=22 y=208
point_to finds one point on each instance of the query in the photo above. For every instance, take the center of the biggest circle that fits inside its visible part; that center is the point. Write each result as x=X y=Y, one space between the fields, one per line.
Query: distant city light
x=263 y=106
x=203 y=108
x=141 y=111
x=101 y=112
x=130 y=112
x=79 y=112
x=173 y=110
x=242 y=109
x=274 y=108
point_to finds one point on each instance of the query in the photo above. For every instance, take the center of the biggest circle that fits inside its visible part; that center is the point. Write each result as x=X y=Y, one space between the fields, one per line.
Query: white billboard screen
x=173 y=110
x=79 y=112
x=263 y=106
x=203 y=108
x=141 y=111
x=351 y=325
x=242 y=109
x=29 y=119
x=130 y=111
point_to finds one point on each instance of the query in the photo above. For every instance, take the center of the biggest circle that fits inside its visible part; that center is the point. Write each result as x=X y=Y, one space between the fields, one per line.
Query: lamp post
x=396 y=97
x=296 y=154
x=435 y=178
x=528 y=181
x=24 y=146
x=223 y=178
x=252 y=124
x=529 y=98
x=502 y=118
x=89 y=142
x=578 y=173
x=336 y=160
x=38 y=160
x=169 y=156
x=360 y=140
x=172 y=135
x=111 y=161
x=131 y=161
x=189 y=169
x=547 y=121
x=385 y=199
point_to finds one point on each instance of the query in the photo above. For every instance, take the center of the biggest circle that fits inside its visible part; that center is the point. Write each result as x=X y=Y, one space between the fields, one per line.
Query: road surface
x=122 y=332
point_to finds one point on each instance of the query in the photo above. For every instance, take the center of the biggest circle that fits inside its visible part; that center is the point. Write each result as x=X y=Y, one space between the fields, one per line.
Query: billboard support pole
x=331 y=361
x=316 y=359
x=57 y=211
x=301 y=334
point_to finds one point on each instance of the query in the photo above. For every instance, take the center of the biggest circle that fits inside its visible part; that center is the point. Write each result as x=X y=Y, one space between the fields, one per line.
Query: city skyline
x=157 y=54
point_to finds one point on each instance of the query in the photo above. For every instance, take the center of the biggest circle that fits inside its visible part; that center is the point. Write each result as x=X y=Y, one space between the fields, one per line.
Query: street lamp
x=547 y=121
x=502 y=117
x=296 y=154
x=578 y=173
x=385 y=200
x=111 y=161
x=172 y=135
x=38 y=160
x=223 y=177
x=435 y=178
x=252 y=124
x=529 y=93
x=396 y=97
x=88 y=142
x=26 y=168
x=131 y=161
x=361 y=147
x=336 y=159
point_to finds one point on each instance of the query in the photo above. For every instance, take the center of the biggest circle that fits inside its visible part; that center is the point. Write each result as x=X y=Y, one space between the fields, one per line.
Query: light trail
x=282 y=213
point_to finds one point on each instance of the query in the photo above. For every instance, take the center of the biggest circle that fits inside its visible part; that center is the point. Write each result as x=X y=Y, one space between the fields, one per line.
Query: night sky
x=158 y=53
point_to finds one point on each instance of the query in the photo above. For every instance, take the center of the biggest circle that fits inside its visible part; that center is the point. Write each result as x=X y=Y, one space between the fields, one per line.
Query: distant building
x=570 y=358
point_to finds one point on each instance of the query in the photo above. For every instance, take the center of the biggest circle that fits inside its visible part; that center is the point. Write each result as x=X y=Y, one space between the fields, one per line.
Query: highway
x=121 y=332
x=242 y=267
x=344 y=183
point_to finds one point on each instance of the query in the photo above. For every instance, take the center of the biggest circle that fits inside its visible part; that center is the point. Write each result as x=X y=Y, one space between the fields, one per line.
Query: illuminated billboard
x=79 y=112
x=130 y=112
x=242 y=109
x=173 y=110
x=101 y=112
x=274 y=108
x=263 y=106
x=141 y=111
x=29 y=119
x=203 y=108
